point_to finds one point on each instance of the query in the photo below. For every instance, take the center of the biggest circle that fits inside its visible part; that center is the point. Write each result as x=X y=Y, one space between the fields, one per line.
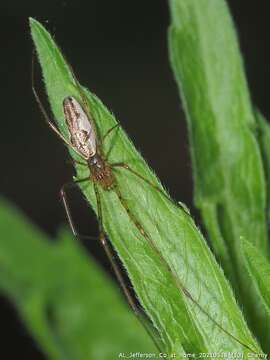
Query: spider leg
x=154 y=186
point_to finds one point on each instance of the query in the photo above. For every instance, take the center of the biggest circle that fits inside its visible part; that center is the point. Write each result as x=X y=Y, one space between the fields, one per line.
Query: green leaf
x=62 y=296
x=173 y=253
x=263 y=136
x=259 y=272
x=227 y=166
x=259 y=269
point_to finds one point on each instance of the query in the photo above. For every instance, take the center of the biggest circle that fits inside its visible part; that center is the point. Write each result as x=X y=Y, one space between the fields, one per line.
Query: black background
x=119 y=50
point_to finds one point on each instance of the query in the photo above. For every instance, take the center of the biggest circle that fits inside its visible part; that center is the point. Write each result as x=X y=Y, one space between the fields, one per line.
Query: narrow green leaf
x=175 y=252
x=259 y=269
x=64 y=299
x=227 y=166
x=263 y=136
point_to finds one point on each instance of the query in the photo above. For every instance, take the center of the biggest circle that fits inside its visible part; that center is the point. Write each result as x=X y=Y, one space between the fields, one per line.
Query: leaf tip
x=33 y=23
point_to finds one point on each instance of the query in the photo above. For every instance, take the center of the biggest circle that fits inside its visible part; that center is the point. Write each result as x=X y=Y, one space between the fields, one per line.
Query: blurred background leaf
x=67 y=303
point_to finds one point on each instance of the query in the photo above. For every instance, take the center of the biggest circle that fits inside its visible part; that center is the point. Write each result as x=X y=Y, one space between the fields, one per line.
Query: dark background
x=119 y=50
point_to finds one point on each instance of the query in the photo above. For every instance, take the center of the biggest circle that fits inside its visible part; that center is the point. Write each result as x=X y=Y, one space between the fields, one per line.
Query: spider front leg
x=108 y=132
x=104 y=137
x=64 y=198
